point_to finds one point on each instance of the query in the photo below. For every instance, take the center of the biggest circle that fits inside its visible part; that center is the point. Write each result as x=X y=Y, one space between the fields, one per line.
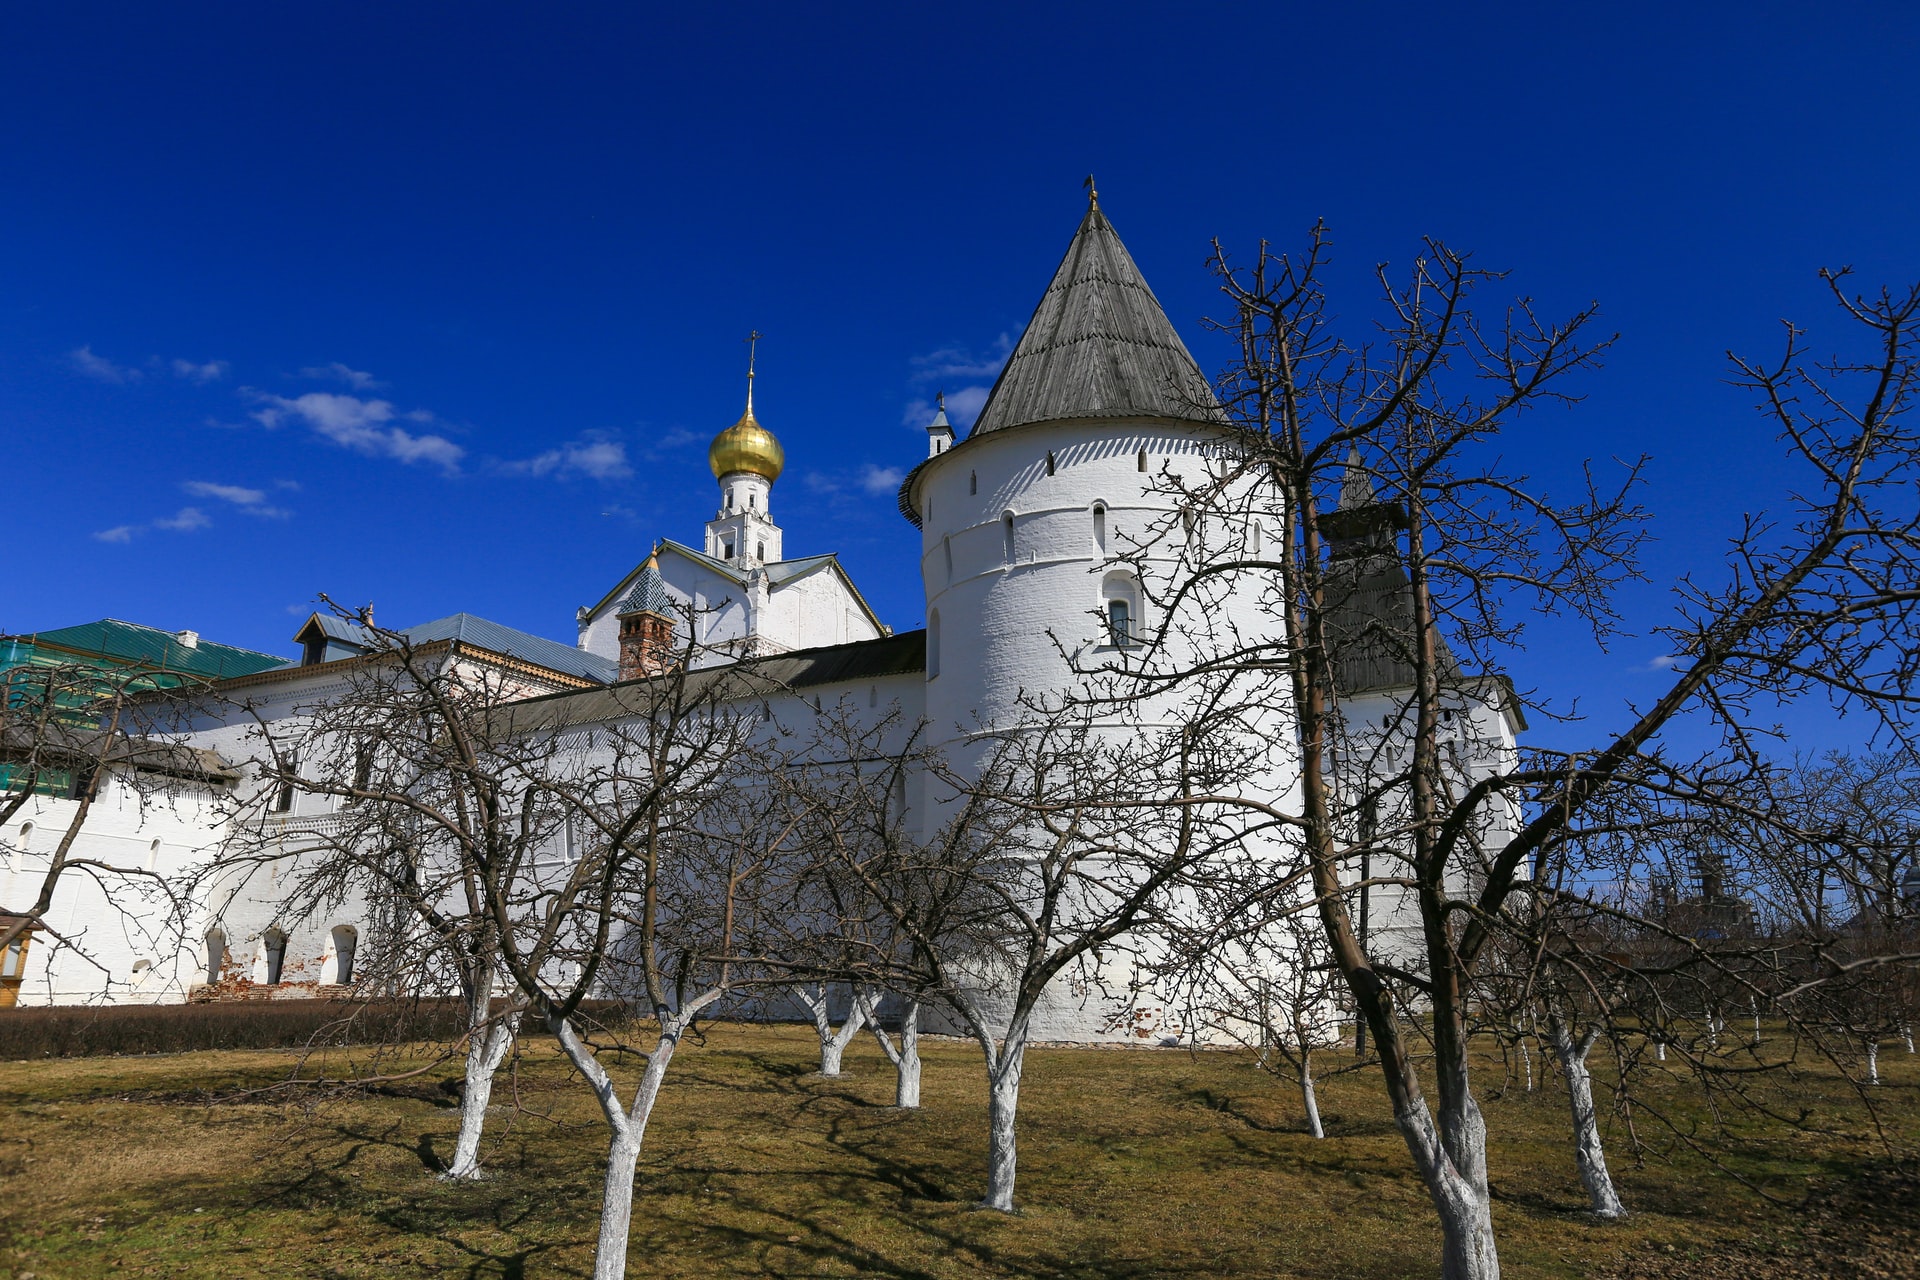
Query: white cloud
x=361 y=425
x=337 y=372
x=965 y=375
x=960 y=364
x=100 y=367
x=963 y=406
x=867 y=478
x=233 y=493
x=251 y=501
x=678 y=438
x=592 y=456
x=185 y=520
x=211 y=371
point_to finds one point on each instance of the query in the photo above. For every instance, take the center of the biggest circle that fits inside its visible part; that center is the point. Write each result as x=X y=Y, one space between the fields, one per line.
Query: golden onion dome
x=747 y=446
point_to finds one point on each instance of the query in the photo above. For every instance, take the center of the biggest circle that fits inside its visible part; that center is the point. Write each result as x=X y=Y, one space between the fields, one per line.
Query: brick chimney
x=646 y=626
x=646 y=644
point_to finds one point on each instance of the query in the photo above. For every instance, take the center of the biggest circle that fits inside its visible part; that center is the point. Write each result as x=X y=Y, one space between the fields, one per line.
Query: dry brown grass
x=1134 y=1164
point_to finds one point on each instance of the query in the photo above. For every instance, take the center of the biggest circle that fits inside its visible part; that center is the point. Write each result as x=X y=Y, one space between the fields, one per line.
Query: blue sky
x=438 y=307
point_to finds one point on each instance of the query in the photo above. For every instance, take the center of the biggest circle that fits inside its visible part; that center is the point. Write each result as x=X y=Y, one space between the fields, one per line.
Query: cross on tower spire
x=753 y=343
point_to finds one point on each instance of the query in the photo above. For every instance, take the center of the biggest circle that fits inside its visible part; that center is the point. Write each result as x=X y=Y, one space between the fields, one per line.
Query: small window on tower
x=1143 y=460
x=1006 y=531
x=1049 y=462
x=1119 y=622
x=729 y=506
x=726 y=550
x=973 y=482
x=753 y=502
x=760 y=550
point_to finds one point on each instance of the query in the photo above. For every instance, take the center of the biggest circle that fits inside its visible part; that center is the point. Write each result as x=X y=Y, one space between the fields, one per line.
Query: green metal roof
x=132 y=643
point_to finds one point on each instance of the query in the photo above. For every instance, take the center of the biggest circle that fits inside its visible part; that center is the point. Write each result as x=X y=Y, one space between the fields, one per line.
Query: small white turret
x=939 y=431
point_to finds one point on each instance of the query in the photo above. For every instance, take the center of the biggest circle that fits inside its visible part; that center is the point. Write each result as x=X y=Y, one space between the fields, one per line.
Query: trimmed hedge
x=90 y=1031
x=85 y=1031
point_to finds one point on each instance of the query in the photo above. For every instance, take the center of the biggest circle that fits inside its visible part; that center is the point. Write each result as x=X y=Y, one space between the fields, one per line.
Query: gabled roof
x=1099 y=346
x=779 y=574
x=151 y=647
x=481 y=633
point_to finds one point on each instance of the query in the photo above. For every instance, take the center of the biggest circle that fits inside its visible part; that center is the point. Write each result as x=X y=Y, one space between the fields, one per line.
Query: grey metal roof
x=1099 y=346
x=538 y=650
x=753 y=678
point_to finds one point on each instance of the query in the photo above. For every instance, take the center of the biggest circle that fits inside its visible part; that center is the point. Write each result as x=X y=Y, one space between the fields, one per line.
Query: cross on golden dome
x=746 y=445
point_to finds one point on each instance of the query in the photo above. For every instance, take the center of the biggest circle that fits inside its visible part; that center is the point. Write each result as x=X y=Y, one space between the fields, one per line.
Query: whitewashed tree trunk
x=485 y=1052
x=1755 y=1006
x=1308 y=1098
x=628 y=1129
x=1003 y=1106
x=1906 y=1033
x=1588 y=1154
x=1873 y=1062
x=1455 y=1172
x=905 y=1056
x=1660 y=1050
x=1526 y=1062
x=833 y=1043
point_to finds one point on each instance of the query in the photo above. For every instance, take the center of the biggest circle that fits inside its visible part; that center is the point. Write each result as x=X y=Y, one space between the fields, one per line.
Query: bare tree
x=1430 y=567
x=1039 y=863
x=665 y=903
x=78 y=738
x=425 y=793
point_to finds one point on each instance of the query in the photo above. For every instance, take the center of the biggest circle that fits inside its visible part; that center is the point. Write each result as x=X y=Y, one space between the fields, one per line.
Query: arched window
x=1100 y=526
x=760 y=551
x=216 y=954
x=1119 y=622
x=1006 y=534
x=946 y=550
x=341 y=944
x=1049 y=462
x=1142 y=462
x=973 y=482
x=753 y=502
x=933 y=645
x=153 y=855
x=1258 y=532
x=729 y=499
x=273 y=956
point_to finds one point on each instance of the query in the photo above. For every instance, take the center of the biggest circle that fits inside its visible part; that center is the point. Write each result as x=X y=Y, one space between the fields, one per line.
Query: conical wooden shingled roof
x=1098 y=346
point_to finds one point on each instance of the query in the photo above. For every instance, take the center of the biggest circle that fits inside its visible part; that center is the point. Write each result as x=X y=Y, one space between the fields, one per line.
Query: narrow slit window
x=973 y=482
x=1049 y=462
x=1142 y=462
x=946 y=551
x=933 y=645
x=1006 y=531
x=1099 y=526
x=283 y=799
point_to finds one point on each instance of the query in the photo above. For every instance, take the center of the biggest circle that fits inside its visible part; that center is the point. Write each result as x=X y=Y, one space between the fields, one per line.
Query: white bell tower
x=746 y=460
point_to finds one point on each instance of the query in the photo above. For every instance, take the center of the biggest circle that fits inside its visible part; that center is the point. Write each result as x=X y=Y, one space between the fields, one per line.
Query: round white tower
x=1032 y=531
x=1023 y=522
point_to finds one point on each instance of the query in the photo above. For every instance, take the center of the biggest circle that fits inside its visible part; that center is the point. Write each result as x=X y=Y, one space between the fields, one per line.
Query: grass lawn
x=1133 y=1164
